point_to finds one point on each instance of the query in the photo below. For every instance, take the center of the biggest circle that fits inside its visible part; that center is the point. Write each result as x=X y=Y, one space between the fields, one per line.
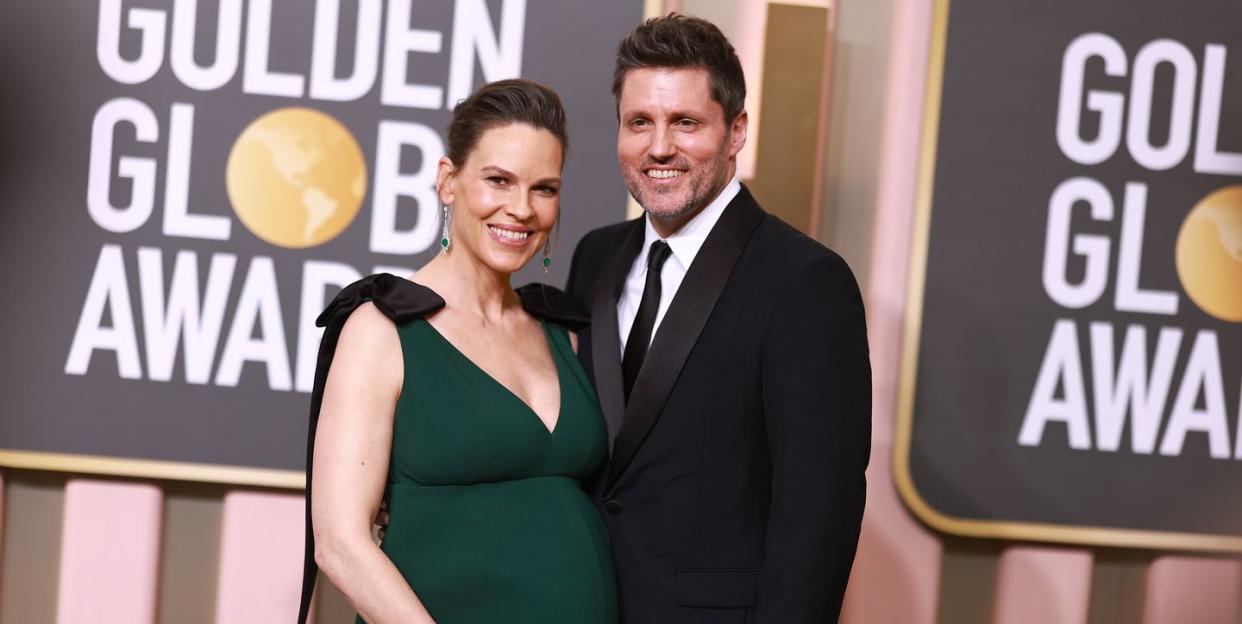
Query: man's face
x=677 y=152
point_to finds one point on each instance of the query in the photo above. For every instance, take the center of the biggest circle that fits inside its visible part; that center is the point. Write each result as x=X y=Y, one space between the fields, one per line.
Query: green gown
x=489 y=522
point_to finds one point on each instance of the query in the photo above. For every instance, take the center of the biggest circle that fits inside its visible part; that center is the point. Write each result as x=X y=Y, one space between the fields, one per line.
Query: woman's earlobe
x=444 y=190
x=444 y=180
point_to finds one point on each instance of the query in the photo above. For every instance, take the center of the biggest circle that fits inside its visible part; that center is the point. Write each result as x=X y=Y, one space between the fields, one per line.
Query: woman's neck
x=469 y=286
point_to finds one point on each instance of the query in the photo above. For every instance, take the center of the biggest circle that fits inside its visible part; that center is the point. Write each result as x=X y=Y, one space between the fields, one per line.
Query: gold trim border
x=912 y=328
x=153 y=469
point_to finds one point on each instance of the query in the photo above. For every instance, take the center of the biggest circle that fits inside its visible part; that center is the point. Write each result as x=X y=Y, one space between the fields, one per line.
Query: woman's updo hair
x=501 y=103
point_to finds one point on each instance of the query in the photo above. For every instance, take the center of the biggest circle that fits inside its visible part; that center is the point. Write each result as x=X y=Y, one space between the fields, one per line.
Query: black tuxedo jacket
x=735 y=486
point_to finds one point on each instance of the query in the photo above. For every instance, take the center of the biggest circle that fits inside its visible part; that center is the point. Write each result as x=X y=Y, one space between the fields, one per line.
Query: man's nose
x=662 y=146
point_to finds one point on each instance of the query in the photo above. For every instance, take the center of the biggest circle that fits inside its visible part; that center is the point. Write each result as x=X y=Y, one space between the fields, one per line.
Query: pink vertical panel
x=1042 y=585
x=896 y=575
x=1189 y=590
x=109 y=558
x=748 y=34
x=260 y=558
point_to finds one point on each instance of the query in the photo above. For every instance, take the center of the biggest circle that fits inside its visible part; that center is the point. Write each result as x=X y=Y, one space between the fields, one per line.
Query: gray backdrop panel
x=986 y=321
x=53 y=86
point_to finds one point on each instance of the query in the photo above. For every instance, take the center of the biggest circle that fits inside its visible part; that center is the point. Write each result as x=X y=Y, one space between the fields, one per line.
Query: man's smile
x=664 y=174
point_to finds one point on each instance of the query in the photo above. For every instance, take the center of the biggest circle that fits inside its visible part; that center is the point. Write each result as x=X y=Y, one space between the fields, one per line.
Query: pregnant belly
x=529 y=550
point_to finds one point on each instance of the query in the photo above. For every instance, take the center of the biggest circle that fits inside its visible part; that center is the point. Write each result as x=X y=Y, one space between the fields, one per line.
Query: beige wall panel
x=330 y=604
x=795 y=58
x=968 y=580
x=856 y=115
x=33 y=508
x=190 y=554
x=744 y=22
x=1 y=519
x=1117 y=584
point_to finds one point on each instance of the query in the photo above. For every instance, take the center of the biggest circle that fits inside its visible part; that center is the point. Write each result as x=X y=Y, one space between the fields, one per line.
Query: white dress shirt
x=685 y=244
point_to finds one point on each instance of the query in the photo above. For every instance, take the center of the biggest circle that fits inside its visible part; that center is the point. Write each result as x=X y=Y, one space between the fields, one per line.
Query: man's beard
x=702 y=191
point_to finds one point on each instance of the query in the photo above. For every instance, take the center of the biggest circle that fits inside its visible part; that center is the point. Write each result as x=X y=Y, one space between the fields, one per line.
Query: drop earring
x=447 y=219
x=547 y=258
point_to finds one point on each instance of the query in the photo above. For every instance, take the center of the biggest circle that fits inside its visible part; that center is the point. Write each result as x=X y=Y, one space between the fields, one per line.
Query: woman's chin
x=506 y=263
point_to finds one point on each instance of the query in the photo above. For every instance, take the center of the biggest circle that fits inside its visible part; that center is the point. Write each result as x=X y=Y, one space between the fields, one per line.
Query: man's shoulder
x=795 y=271
x=599 y=244
x=591 y=256
x=608 y=234
x=787 y=250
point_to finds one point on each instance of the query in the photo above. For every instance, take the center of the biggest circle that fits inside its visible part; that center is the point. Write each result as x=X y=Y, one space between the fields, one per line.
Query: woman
x=459 y=403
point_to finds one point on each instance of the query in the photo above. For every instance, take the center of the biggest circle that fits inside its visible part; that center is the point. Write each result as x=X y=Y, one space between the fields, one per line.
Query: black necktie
x=644 y=321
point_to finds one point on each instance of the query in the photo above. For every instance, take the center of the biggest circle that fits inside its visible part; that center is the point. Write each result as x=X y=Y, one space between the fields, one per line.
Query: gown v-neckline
x=560 y=382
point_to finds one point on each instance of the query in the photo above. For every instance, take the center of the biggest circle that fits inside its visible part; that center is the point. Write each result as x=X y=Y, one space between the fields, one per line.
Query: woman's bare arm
x=352 y=448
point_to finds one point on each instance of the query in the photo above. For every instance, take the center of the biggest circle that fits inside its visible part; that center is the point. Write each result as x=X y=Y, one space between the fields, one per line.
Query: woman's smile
x=514 y=236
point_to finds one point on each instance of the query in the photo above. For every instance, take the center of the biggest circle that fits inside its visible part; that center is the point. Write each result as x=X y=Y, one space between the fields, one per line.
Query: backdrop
x=1074 y=370
x=187 y=183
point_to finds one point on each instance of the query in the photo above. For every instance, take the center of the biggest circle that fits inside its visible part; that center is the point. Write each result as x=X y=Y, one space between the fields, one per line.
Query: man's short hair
x=682 y=42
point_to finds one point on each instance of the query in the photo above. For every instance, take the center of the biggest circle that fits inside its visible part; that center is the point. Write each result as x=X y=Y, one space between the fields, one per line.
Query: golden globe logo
x=1161 y=385
x=296 y=177
x=1209 y=254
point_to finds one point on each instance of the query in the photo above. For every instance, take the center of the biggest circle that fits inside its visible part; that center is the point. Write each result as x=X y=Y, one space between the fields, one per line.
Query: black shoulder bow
x=552 y=304
x=400 y=300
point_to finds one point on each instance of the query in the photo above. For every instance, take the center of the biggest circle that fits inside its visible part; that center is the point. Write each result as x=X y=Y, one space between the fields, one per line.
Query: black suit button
x=613 y=506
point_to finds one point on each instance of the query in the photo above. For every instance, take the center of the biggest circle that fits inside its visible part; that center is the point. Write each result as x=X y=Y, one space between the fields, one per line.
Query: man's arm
x=817 y=408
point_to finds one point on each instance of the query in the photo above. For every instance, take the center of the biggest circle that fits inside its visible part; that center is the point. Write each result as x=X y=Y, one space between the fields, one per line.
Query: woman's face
x=505 y=197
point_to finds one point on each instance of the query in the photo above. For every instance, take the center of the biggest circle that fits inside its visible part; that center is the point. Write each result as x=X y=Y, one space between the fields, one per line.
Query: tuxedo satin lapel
x=605 y=339
x=682 y=324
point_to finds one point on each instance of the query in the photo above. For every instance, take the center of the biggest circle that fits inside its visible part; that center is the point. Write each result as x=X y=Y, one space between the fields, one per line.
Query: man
x=730 y=356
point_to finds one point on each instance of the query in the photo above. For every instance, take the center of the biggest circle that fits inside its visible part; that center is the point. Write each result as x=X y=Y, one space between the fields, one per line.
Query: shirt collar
x=686 y=242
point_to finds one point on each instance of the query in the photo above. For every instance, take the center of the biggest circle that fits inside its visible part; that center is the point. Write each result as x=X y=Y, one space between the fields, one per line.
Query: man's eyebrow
x=675 y=114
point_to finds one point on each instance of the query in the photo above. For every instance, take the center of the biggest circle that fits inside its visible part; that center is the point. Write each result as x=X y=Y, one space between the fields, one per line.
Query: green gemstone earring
x=444 y=233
